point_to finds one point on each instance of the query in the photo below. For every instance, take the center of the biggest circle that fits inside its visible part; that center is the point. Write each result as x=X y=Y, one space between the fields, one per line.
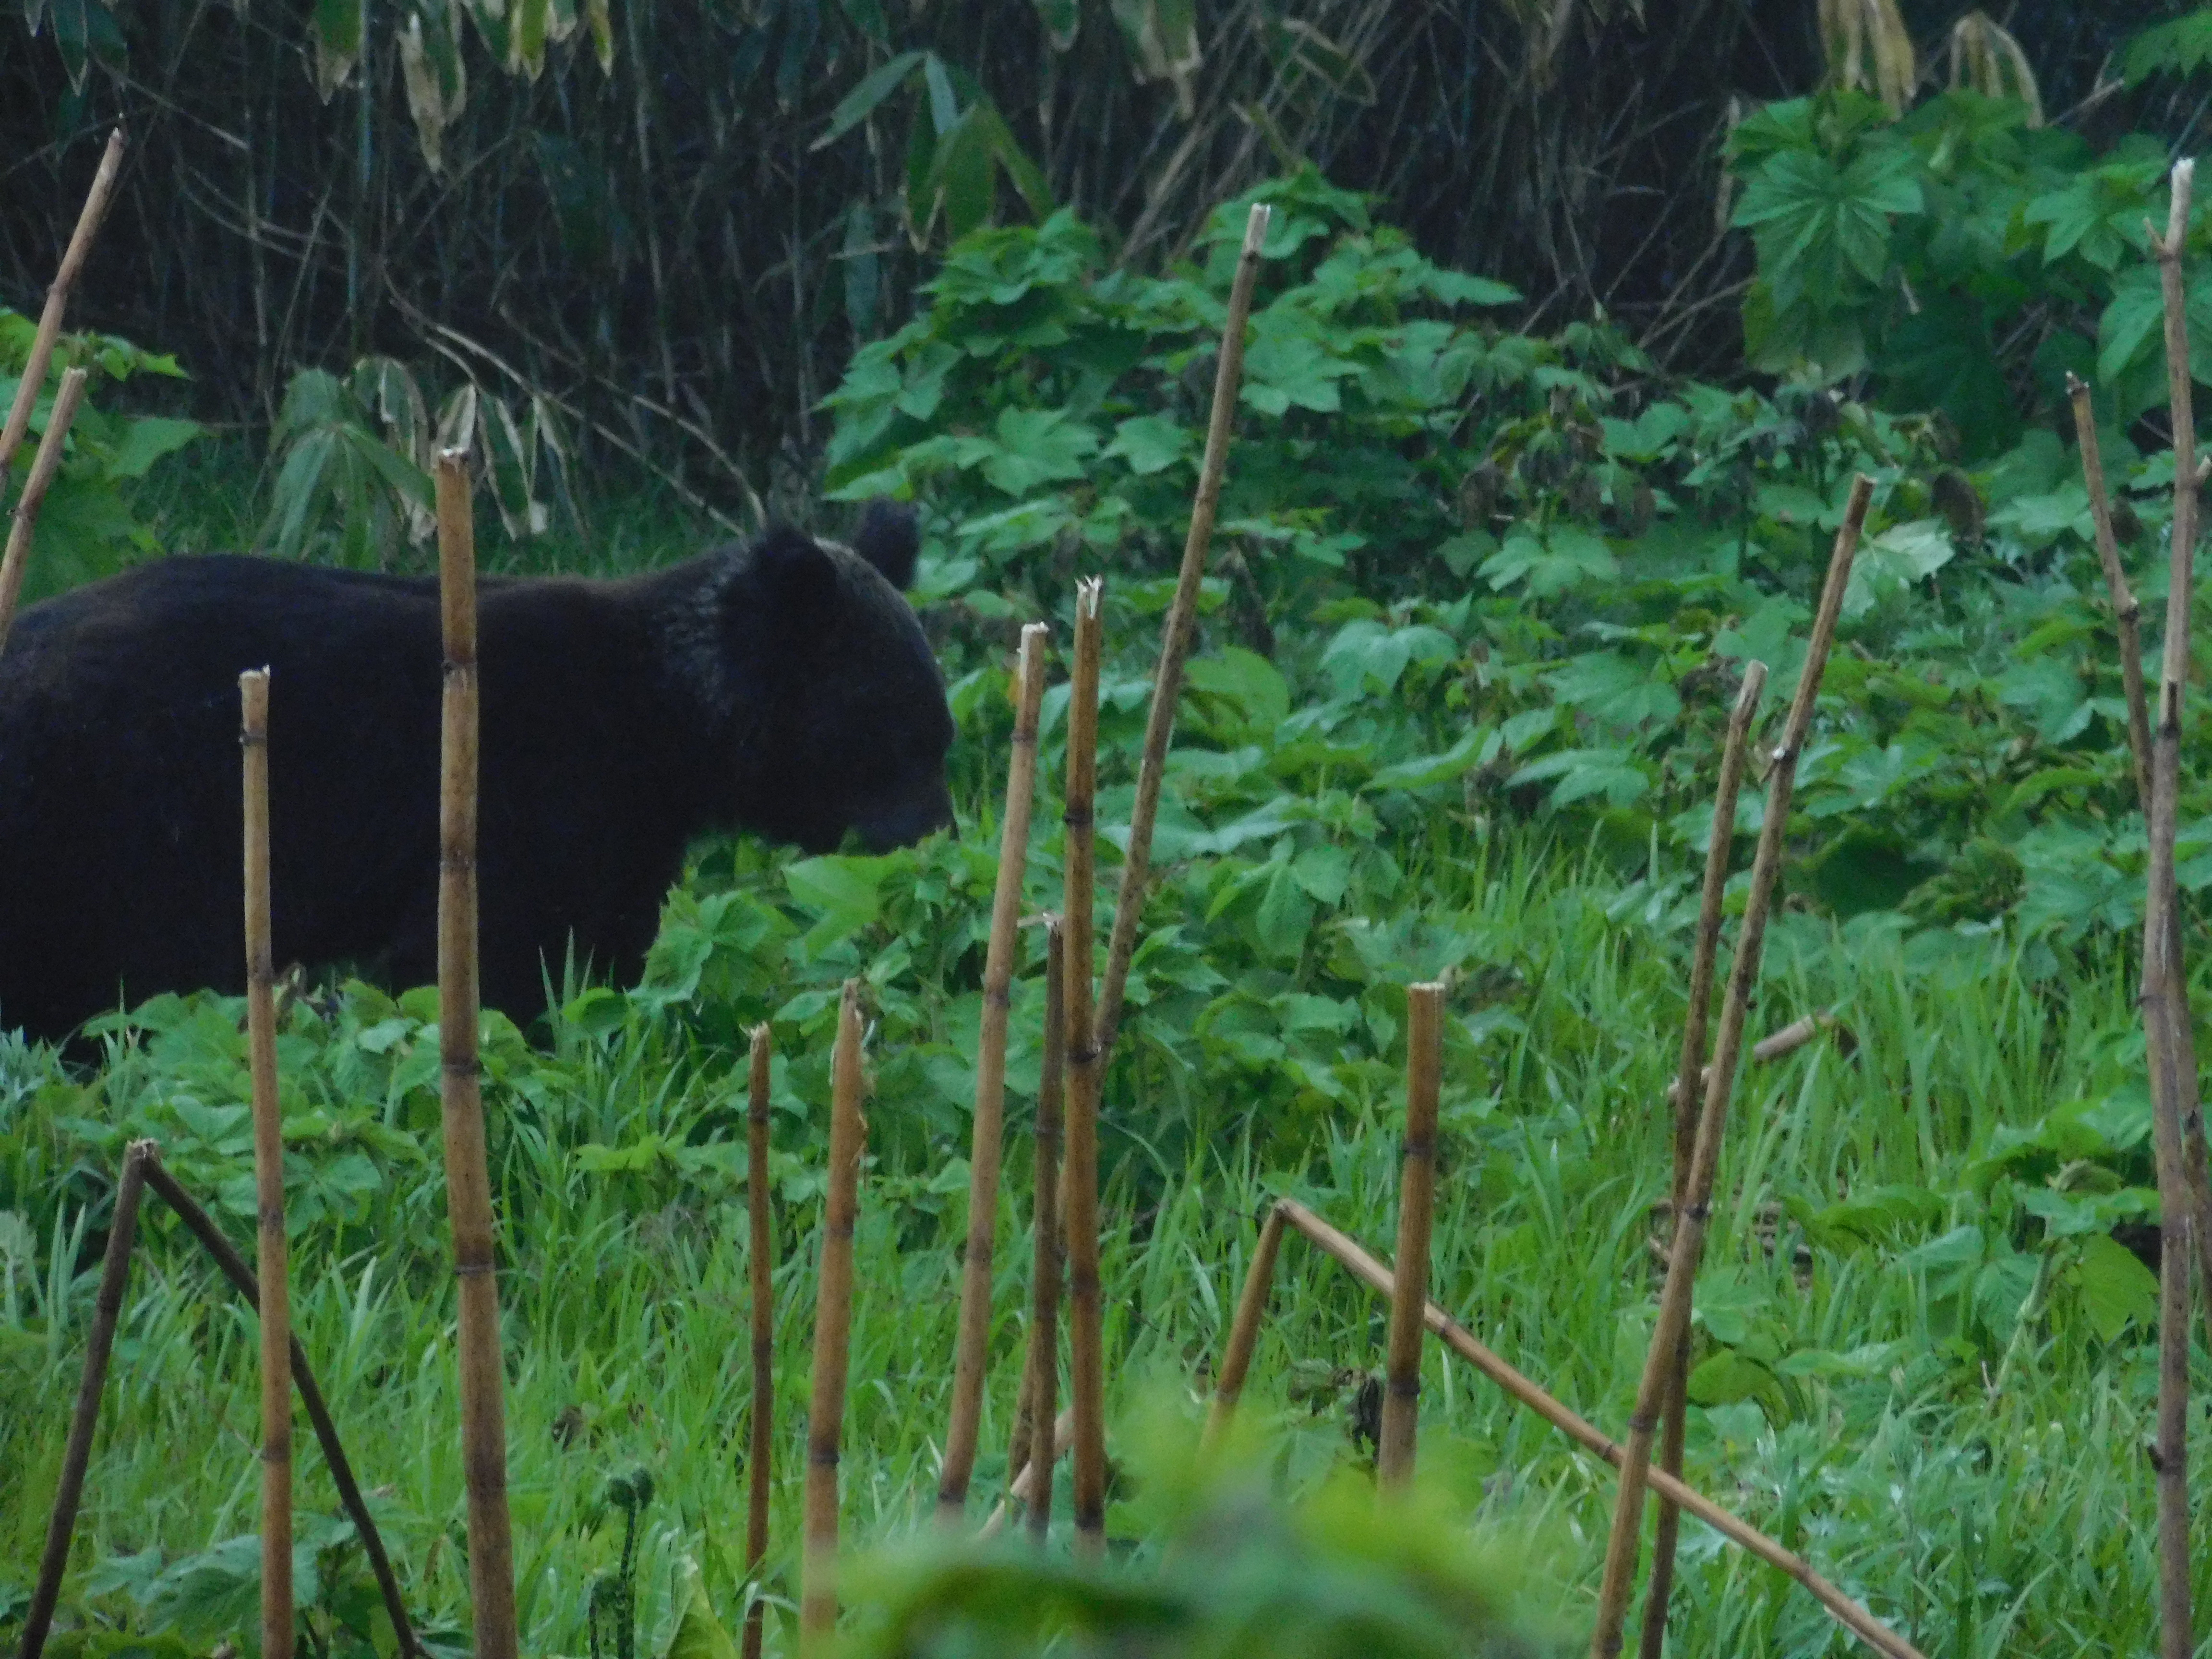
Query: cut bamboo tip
x=1255 y=228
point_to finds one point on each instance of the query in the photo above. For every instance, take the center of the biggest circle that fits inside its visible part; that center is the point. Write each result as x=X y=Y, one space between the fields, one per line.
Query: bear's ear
x=798 y=578
x=889 y=538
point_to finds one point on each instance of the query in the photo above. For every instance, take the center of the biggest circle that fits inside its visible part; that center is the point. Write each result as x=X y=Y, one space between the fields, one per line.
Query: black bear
x=783 y=688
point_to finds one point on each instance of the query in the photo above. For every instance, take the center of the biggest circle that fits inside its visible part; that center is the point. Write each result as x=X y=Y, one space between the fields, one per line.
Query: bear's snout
x=910 y=821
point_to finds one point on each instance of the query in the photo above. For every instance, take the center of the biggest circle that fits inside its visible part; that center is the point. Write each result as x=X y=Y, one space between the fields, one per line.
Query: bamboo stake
x=1026 y=1483
x=468 y=1179
x=1020 y=1436
x=2127 y=611
x=1245 y=1329
x=1086 y=1361
x=763 y=1331
x=1689 y=1220
x=971 y=1351
x=1175 y=633
x=76 y=1454
x=1776 y=1045
x=1689 y=1073
x=1417 y=1188
x=276 y=1306
x=201 y=1227
x=833 y=1333
x=44 y=465
x=1377 y=1276
x=2165 y=990
x=1043 y=1368
x=57 y=296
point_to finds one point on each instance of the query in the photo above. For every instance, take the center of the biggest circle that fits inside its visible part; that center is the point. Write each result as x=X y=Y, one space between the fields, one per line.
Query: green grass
x=1984 y=1518
x=1913 y=1371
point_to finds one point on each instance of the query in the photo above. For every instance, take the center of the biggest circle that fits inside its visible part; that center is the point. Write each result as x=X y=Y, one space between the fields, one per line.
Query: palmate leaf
x=2180 y=47
x=1818 y=224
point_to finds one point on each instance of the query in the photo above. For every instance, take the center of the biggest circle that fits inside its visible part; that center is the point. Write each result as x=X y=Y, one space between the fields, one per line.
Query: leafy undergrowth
x=1921 y=1359
x=1479 y=599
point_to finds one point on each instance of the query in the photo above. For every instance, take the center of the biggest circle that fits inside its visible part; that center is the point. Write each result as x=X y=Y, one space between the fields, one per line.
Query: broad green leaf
x=856 y=106
x=2117 y=1290
x=1036 y=447
x=1152 y=443
x=1285 y=914
x=1561 y=559
x=146 y=439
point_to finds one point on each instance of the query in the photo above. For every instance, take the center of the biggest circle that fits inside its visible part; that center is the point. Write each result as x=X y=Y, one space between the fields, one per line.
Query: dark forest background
x=630 y=208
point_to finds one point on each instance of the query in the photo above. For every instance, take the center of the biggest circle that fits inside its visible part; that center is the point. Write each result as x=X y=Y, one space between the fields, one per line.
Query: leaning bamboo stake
x=76 y=1454
x=2165 y=990
x=833 y=1333
x=1086 y=1359
x=1689 y=1074
x=763 y=1335
x=44 y=465
x=1775 y=1045
x=201 y=1225
x=272 y=1268
x=1024 y=1488
x=58 y=297
x=971 y=1353
x=2127 y=613
x=1043 y=1366
x=1417 y=1191
x=1244 y=1328
x=1377 y=1276
x=468 y=1178
x=1689 y=1220
x=1175 y=633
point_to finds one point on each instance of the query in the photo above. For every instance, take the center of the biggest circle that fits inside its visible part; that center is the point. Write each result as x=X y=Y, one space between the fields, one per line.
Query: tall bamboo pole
x=44 y=465
x=1086 y=1359
x=972 y=1349
x=468 y=1176
x=58 y=297
x=272 y=1267
x=1175 y=632
x=2127 y=617
x=760 y=1441
x=1043 y=1366
x=1689 y=1072
x=2165 y=988
x=833 y=1333
x=76 y=1452
x=1690 y=1221
x=1417 y=1186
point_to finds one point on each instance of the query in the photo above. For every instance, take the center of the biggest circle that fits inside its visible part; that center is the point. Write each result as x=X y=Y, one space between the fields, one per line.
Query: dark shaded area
x=662 y=250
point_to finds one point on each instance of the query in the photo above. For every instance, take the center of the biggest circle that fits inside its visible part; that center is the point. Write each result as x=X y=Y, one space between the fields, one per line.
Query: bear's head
x=836 y=709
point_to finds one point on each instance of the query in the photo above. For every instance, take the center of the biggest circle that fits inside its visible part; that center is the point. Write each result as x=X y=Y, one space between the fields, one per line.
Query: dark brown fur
x=783 y=688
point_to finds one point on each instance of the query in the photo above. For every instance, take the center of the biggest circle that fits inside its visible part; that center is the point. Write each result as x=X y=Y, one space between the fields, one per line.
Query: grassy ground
x=1975 y=1476
x=1909 y=1372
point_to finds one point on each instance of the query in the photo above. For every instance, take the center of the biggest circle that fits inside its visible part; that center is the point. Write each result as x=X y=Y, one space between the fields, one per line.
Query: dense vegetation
x=1479 y=601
